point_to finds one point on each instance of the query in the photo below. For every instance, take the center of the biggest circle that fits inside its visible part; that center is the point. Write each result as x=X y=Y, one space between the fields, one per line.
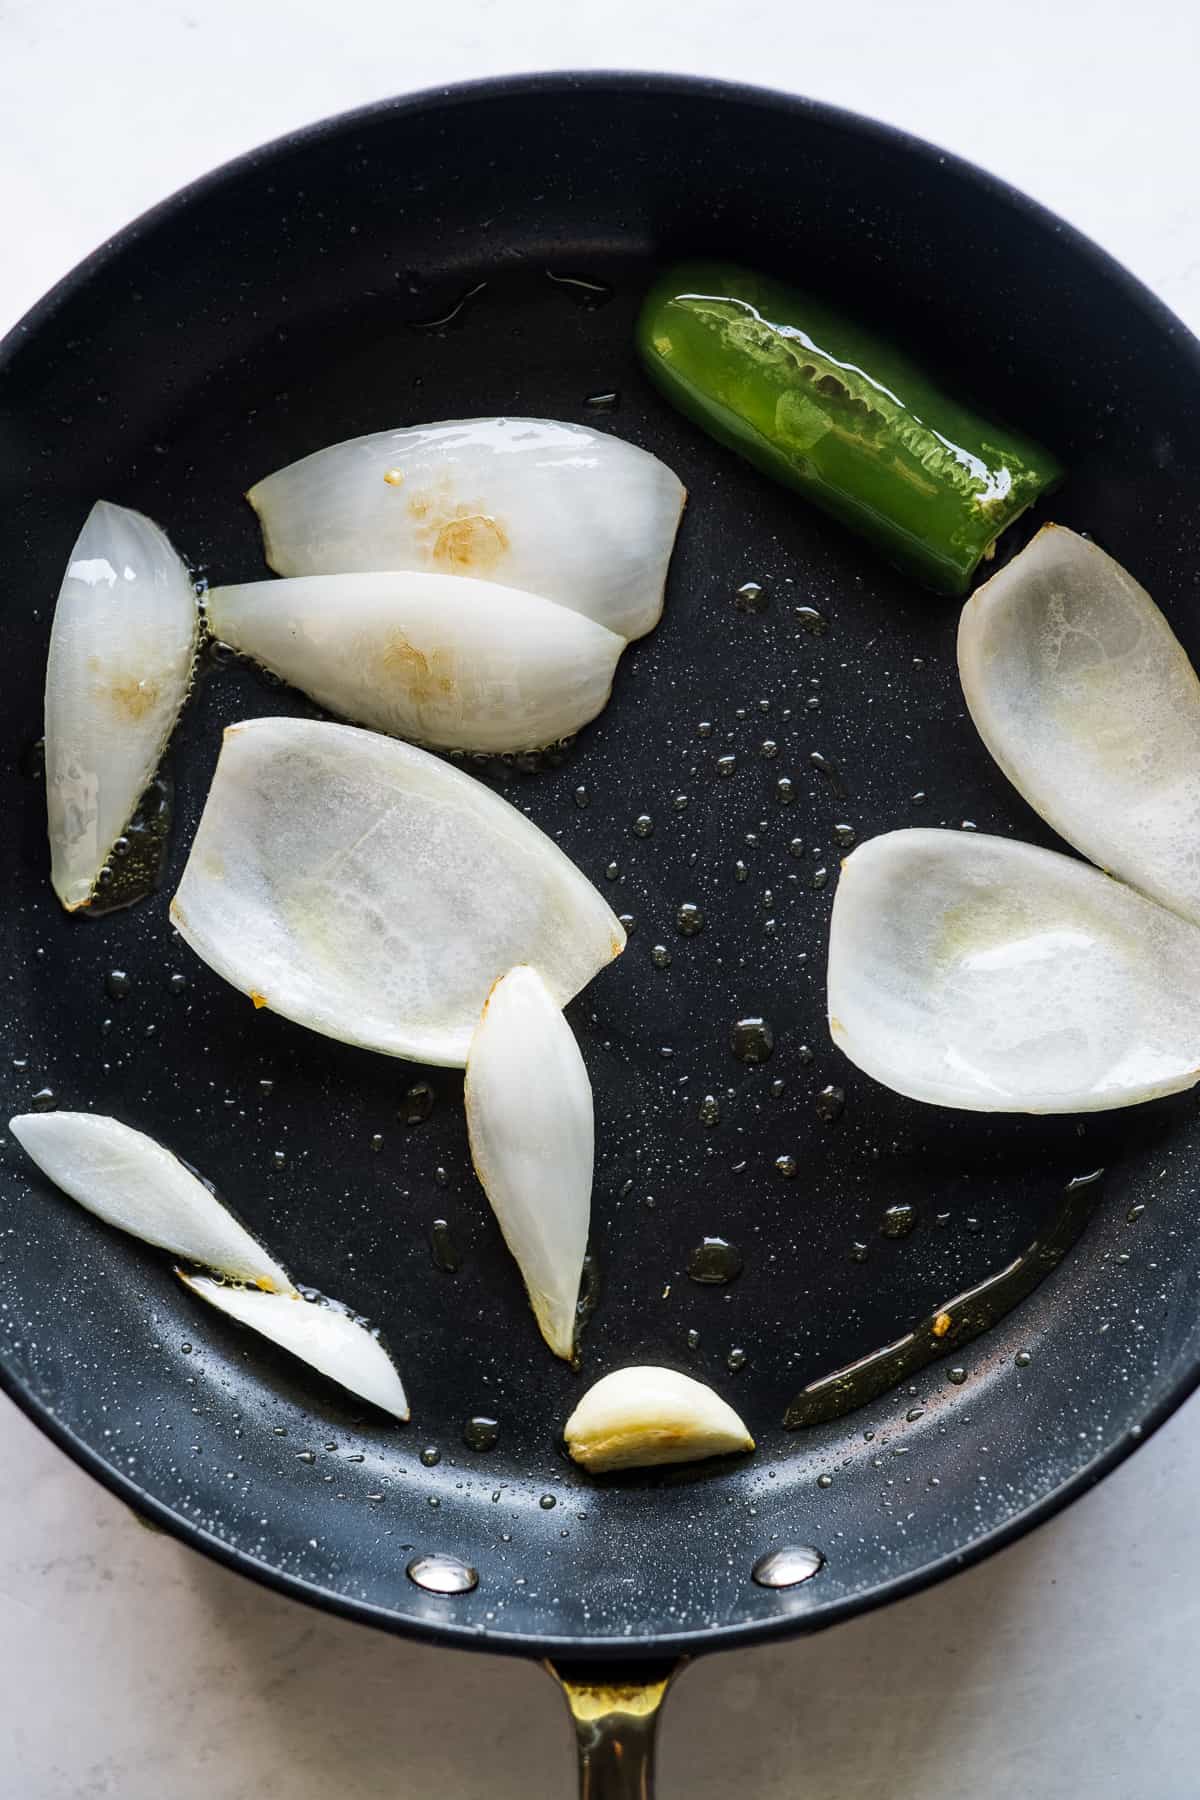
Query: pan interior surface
x=425 y=261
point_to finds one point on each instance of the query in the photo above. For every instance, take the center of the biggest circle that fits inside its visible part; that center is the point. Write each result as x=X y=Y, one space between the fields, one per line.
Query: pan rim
x=448 y=1632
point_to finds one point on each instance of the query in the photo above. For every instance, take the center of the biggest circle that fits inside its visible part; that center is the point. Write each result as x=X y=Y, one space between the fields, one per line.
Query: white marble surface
x=1065 y=1668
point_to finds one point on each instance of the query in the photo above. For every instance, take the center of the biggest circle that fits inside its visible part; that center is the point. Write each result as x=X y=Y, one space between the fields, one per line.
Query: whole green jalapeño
x=826 y=407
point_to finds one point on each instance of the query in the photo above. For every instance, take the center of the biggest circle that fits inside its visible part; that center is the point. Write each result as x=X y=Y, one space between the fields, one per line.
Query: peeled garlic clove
x=373 y=892
x=458 y=665
x=121 y=650
x=129 y=1181
x=1086 y=699
x=319 y=1333
x=635 y=1418
x=529 y=1121
x=558 y=510
x=982 y=973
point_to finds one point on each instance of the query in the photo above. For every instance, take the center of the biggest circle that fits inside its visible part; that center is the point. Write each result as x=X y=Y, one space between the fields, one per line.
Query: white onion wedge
x=317 y=1332
x=986 y=974
x=370 y=891
x=129 y=1181
x=456 y=664
x=121 y=650
x=1086 y=699
x=558 y=510
x=529 y=1121
x=637 y=1417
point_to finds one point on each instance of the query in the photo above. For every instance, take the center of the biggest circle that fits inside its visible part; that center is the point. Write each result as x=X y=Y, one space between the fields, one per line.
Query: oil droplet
x=740 y=871
x=715 y=1261
x=417 y=1103
x=787 y=1566
x=819 y=878
x=689 y=919
x=481 y=1432
x=377 y=1140
x=809 y=619
x=824 y=1481
x=447 y=318
x=726 y=765
x=737 y=1359
x=899 y=1220
x=643 y=825
x=279 y=1158
x=629 y=923
x=660 y=956
x=1023 y=1358
x=845 y=836
x=796 y=847
x=785 y=788
x=919 y=798
x=913 y=1414
x=432 y=1500
x=33 y=760
x=118 y=984
x=830 y=1104
x=445 y=1252
x=45 y=1100
x=805 y=1054
x=280 y=1430
x=547 y=1502
x=612 y=871
x=710 y=1110
x=582 y=797
x=827 y=767
x=178 y=984
x=768 y=748
x=431 y=1456
x=859 y=1251
x=589 y=1292
x=442 y=1575
x=751 y=1039
x=693 y=1339
x=394 y=477
x=957 y=1376
x=606 y=402
x=266 y=1087
x=306 y=1456
x=786 y=1165
x=585 y=290
x=750 y=598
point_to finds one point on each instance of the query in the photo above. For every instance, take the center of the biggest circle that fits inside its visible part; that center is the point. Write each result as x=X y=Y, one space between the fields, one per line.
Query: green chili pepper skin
x=824 y=406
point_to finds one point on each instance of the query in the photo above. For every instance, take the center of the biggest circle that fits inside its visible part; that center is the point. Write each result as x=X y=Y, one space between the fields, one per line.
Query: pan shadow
x=331 y=1707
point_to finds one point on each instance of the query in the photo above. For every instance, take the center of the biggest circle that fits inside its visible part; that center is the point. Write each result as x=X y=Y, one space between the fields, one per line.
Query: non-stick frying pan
x=483 y=251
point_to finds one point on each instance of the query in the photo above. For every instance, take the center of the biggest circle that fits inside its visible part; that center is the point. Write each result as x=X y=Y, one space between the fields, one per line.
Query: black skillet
x=421 y=260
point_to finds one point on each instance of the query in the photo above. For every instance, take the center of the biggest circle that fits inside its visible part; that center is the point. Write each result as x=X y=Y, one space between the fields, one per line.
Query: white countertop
x=1064 y=1669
